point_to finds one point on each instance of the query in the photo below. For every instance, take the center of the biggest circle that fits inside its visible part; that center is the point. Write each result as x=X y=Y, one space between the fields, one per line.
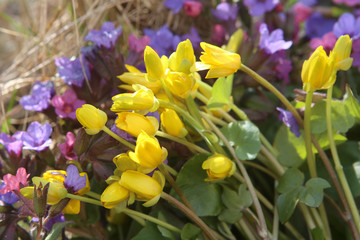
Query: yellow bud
x=123 y=162
x=114 y=194
x=183 y=60
x=179 y=84
x=141 y=101
x=73 y=207
x=235 y=41
x=145 y=187
x=134 y=123
x=92 y=118
x=172 y=124
x=341 y=53
x=154 y=68
x=218 y=167
x=220 y=62
x=56 y=191
x=318 y=71
x=148 y=153
x=55 y=175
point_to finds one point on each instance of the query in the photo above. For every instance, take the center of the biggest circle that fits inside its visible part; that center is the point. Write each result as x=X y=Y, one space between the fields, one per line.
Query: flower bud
x=172 y=124
x=154 y=67
x=179 y=84
x=218 y=167
x=123 y=162
x=341 y=53
x=92 y=118
x=134 y=123
x=114 y=194
x=183 y=60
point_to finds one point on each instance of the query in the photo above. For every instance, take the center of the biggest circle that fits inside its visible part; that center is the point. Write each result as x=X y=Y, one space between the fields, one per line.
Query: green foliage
x=203 y=196
x=56 y=230
x=244 y=136
x=164 y=231
x=291 y=179
x=190 y=232
x=317 y=233
x=149 y=232
x=352 y=104
x=221 y=92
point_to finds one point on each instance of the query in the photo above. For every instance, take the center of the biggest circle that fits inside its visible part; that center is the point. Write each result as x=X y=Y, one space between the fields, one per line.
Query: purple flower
x=37 y=136
x=192 y=8
x=67 y=148
x=66 y=105
x=138 y=44
x=106 y=36
x=356 y=53
x=193 y=36
x=289 y=121
x=259 y=7
x=283 y=66
x=39 y=98
x=49 y=223
x=162 y=40
x=13 y=144
x=273 y=42
x=347 y=24
x=308 y=3
x=349 y=3
x=327 y=41
x=9 y=197
x=218 y=34
x=225 y=11
x=73 y=181
x=316 y=25
x=71 y=70
x=174 y=5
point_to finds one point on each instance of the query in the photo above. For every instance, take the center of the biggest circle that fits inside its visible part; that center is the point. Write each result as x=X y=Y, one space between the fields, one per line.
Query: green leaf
x=230 y=216
x=56 y=230
x=221 y=92
x=290 y=180
x=318 y=118
x=244 y=136
x=164 y=231
x=341 y=119
x=286 y=204
x=204 y=197
x=92 y=213
x=352 y=104
x=149 y=232
x=231 y=199
x=245 y=196
x=313 y=192
x=190 y=232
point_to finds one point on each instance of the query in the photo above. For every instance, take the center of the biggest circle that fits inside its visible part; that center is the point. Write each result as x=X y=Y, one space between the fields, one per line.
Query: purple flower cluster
x=347 y=24
x=259 y=7
x=316 y=25
x=273 y=42
x=225 y=11
x=71 y=70
x=39 y=98
x=13 y=144
x=37 y=136
x=106 y=36
x=66 y=105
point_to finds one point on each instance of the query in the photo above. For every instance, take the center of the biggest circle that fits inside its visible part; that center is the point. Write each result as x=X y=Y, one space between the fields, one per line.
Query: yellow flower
x=123 y=162
x=235 y=41
x=220 y=62
x=172 y=124
x=183 y=60
x=218 y=167
x=179 y=84
x=148 y=153
x=92 y=118
x=114 y=194
x=154 y=67
x=142 y=101
x=341 y=53
x=134 y=123
x=145 y=187
x=73 y=207
x=318 y=71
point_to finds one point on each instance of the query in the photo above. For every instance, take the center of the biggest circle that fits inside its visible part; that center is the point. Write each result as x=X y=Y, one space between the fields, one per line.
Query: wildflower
x=10 y=183
x=67 y=148
x=154 y=67
x=37 y=136
x=316 y=25
x=341 y=53
x=289 y=121
x=220 y=62
x=179 y=84
x=123 y=162
x=192 y=8
x=114 y=194
x=318 y=71
x=13 y=144
x=146 y=188
x=349 y=3
x=347 y=25
x=301 y=12
x=72 y=70
x=162 y=40
x=50 y=222
x=39 y=98
x=148 y=153
x=327 y=41
x=225 y=11
x=66 y=105
x=218 y=167
x=172 y=124
x=92 y=118
x=106 y=36
x=141 y=101
x=134 y=123
x=138 y=44
x=273 y=42
x=193 y=36
x=259 y=7
x=218 y=34
x=174 y=5
x=183 y=60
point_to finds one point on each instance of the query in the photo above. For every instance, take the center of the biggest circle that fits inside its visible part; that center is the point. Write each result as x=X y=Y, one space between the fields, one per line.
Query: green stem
x=84 y=199
x=240 y=113
x=151 y=219
x=121 y=140
x=338 y=167
x=170 y=169
x=307 y=133
x=93 y=195
x=181 y=141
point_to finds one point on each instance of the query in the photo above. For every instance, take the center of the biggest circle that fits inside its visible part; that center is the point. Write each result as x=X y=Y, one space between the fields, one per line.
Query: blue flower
x=106 y=36
x=71 y=71
x=289 y=121
x=174 y=5
x=73 y=181
x=316 y=25
x=13 y=144
x=37 y=136
x=259 y=7
x=193 y=36
x=162 y=40
x=39 y=98
x=225 y=11
x=273 y=42
x=347 y=25
x=9 y=197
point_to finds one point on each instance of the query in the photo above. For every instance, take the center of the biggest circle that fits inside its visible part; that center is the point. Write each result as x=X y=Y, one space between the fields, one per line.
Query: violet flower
x=302 y=12
x=316 y=25
x=218 y=34
x=283 y=66
x=225 y=11
x=37 y=136
x=67 y=148
x=289 y=121
x=259 y=7
x=9 y=197
x=50 y=223
x=356 y=53
x=192 y=8
x=10 y=183
x=106 y=36
x=327 y=41
x=66 y=105
x=193 y=36
x=71 y=71
x=13 y=144
x=39 y=98
x=162 y=40
x=273 y=42
x=349 y=3
x=138 y=44
x=73 y=181
x=347 y=25
x=174 y=5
